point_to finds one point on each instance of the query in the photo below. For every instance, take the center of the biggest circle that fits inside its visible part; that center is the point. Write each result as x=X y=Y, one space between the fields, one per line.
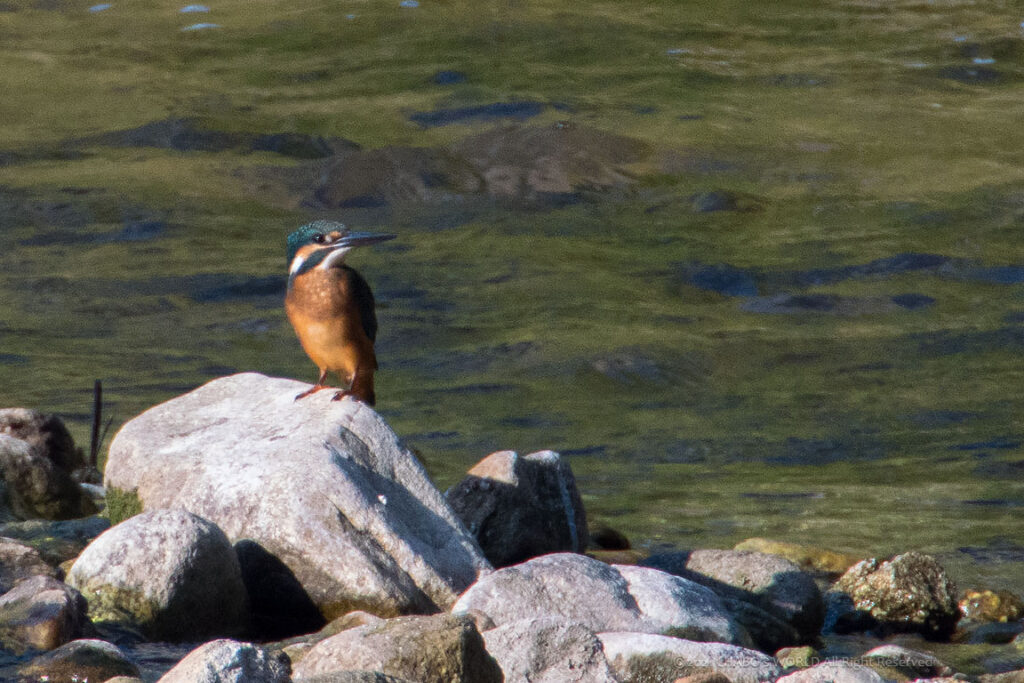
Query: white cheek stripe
x=296 y=264
x=334 y=257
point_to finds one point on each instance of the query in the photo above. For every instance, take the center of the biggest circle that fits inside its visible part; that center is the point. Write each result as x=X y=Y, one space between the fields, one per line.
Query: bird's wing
x=363 y=295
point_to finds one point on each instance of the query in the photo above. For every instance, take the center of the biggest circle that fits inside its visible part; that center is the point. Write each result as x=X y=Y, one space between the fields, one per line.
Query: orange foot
x=315 y=388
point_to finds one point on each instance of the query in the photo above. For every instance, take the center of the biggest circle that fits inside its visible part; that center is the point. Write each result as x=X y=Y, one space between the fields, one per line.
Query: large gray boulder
x=601 y=597
x=229 y=661
x=548 y=650
x=324 y=486
x=652 y=657
x=428 y=649
x=521 y=507
x=169 y=573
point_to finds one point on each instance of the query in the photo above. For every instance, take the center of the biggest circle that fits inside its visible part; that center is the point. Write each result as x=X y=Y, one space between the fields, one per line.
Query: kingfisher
x=331 y=306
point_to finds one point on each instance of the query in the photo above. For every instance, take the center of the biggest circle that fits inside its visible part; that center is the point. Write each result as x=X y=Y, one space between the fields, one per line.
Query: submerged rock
x=436 y=649
x=229 y=661
x=601 y=597
x=169 y=573
x=324 y=486
x=534 y=162
x=521 y=507
x=910 y=592
x=809 y=558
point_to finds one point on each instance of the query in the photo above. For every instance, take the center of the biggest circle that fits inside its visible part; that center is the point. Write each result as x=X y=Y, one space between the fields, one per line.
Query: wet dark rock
x=768 y=582
x=519 y=110
x=38 y=487
x=41 y=613
x=169 y=573
x=909 y=593
x=80 y=660
x=521 y=507
x=432 y=649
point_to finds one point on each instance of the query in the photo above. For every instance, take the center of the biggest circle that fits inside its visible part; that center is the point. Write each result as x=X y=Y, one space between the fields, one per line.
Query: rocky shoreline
x=262 y=539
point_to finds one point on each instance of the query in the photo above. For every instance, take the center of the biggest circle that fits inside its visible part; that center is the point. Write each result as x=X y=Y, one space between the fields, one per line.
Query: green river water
x=808 y=326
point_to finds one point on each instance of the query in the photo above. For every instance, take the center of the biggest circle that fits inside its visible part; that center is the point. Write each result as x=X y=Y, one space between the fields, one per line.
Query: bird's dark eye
x=319 y=238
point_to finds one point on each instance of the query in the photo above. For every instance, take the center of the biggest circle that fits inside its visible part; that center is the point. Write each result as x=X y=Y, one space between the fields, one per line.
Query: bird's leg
x=316 y=387
x=361 y=387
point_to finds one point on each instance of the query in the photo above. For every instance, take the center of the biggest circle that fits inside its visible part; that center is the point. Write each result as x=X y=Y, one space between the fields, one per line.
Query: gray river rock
x=323 y=486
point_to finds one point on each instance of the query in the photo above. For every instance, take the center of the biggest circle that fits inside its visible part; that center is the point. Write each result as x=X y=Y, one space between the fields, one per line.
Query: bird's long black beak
x=361 y=239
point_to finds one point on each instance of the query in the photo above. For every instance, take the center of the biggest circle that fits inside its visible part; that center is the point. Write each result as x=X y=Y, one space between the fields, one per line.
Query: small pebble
x=101 y=7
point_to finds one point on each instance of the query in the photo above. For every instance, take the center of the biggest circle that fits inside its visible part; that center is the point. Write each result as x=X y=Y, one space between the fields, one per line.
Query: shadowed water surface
x=759 y=272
